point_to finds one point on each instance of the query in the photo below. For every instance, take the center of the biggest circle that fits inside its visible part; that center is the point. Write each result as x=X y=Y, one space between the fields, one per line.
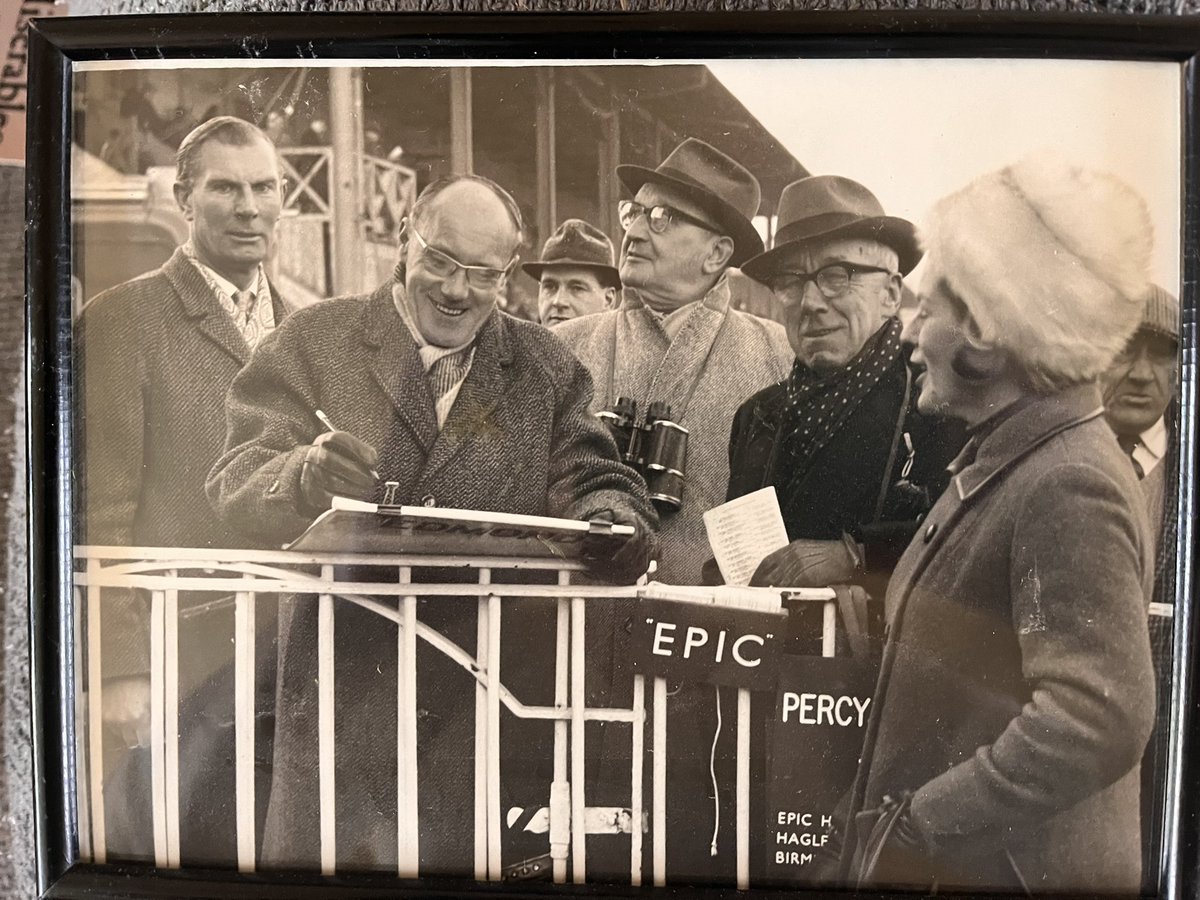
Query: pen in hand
x=328 y=423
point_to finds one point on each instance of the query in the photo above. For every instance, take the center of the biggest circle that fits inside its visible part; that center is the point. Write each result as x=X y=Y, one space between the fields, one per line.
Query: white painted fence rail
x=249 y=575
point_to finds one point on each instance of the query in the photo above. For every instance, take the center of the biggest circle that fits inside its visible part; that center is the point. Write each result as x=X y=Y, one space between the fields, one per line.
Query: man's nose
x=1140 y=370
x=455 y=285
x=245 y=204
x=911 y=332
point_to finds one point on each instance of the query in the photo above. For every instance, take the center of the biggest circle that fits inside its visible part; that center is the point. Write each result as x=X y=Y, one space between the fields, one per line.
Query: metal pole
x=461 y=139
x=345 y=105
x=547 y=162
x=243 y=687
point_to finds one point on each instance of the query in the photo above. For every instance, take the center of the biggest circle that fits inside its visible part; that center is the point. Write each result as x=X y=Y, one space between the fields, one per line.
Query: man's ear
x=895 y=294
x=719 y=255
x=183 y=197
x=610 y=298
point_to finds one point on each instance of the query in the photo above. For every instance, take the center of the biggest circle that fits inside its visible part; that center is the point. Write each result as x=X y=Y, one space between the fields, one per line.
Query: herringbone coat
x=519 y=439
x=155 y=357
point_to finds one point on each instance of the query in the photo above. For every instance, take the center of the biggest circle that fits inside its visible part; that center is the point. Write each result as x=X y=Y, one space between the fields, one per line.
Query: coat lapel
x=396 y=366
x=472 y=416
x=202 y=307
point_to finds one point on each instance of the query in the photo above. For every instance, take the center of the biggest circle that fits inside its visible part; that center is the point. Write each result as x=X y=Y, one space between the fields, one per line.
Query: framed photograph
x=590 y=454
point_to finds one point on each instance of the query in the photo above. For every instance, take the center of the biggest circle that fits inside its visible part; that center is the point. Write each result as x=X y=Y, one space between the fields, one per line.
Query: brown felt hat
x=828 y=207
x=718 y=184
x=579 y=245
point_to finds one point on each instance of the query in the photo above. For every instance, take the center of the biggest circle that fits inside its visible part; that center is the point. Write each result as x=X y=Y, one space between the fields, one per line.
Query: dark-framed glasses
x=659 y=217
x=832 y=280
x=443 y=265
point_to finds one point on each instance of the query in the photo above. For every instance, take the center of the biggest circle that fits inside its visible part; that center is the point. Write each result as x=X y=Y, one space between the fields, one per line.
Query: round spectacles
x=443 y=265
x=832 y=280
x=659 y=217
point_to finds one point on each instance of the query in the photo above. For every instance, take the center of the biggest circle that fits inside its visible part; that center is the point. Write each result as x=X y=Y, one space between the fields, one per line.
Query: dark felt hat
x=579 y=245
x=828 y=207
x=718 y=184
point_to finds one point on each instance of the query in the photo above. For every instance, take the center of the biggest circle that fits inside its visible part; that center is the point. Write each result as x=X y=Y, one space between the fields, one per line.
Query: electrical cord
x=712 y=771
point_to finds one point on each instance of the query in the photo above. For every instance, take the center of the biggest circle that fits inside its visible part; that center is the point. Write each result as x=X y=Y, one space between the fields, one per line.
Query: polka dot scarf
x=817 y=407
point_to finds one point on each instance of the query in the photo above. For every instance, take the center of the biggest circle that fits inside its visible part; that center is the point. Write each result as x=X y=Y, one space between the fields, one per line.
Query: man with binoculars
x=672 y=363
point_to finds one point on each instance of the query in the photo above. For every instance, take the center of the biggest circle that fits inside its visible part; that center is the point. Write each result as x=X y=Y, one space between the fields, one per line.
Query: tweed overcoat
x=155 y=357
x=519 y=439
x=1016 y=692
x=721 y=357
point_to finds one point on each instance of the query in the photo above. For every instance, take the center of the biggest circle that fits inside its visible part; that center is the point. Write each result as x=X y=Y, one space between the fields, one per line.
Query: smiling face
x=233 y=203
x=679 y=265
x=1140 y=383
x=568 y=292
x=826 y=333
x=470 y=224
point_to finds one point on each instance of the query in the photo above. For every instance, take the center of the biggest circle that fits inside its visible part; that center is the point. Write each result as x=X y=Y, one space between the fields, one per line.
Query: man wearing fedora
x=852 y=460
x=576 y=276
x=674 y=339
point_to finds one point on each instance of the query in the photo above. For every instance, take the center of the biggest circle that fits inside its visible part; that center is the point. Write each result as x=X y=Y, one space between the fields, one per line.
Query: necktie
x=447 y=371
x=1129 y=443
x=243 y=300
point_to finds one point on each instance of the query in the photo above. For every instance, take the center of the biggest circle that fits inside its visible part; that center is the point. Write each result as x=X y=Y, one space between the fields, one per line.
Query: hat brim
x=746 y=240
x=608 y=276
x=899 y=234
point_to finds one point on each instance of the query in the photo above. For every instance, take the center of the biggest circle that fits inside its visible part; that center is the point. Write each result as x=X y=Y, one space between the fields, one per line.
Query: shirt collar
x=1154 y=439
x=218 y=281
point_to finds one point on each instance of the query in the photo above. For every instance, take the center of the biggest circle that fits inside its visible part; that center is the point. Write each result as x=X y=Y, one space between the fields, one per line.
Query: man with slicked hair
x=155 y=357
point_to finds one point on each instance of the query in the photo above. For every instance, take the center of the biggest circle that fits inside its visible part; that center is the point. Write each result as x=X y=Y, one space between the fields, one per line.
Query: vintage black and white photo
x=756 y=473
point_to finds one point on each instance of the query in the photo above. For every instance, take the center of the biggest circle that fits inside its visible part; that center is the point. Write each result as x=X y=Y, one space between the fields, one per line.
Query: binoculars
x=656 y=448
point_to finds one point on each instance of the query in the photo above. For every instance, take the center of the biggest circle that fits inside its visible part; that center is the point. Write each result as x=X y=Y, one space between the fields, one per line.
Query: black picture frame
x=55 y=44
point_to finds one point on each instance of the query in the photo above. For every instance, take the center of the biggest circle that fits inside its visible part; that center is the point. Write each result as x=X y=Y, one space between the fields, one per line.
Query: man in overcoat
x=1016 y=691
x=854 y=463
x=461 y=406
x=675 y=339
x=155 y=358
x=1141 y=406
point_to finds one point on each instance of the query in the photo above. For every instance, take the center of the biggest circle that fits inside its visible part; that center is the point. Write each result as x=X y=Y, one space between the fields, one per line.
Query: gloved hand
x=808 y=564
x=892 y=850
x=710 y=573
x=631 y=558
x=338 y=464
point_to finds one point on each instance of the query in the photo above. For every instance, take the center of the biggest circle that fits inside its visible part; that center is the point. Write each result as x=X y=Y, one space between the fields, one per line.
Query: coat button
x=429 y=500
x=930 y=532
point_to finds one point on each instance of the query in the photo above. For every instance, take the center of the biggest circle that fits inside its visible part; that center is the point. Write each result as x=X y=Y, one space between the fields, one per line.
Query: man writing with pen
x=439 y=399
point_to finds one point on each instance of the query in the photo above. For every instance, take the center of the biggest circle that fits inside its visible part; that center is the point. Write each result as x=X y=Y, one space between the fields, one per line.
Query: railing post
x=243 y=686
x=171 y=712
x=158 y=786
x=407 y=812
x=326 y=727
x=578 y=756
x=560 y=789
x=95 y=720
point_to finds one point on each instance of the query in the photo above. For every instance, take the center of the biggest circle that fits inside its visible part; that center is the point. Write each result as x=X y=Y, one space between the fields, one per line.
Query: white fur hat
x=1052 y=261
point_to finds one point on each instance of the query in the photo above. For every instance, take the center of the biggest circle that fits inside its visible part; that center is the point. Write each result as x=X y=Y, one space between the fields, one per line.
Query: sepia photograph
x=747 y=473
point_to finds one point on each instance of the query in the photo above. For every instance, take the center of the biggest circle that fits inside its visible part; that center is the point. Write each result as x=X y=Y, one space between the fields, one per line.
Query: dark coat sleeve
x=1079 y=615
x=270 y=413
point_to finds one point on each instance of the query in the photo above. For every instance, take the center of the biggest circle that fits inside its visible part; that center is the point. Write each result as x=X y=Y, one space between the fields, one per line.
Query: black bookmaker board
x=815 y=736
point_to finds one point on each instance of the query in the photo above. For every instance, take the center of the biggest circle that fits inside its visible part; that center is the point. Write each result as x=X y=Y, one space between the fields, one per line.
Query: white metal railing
x=250 y=574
